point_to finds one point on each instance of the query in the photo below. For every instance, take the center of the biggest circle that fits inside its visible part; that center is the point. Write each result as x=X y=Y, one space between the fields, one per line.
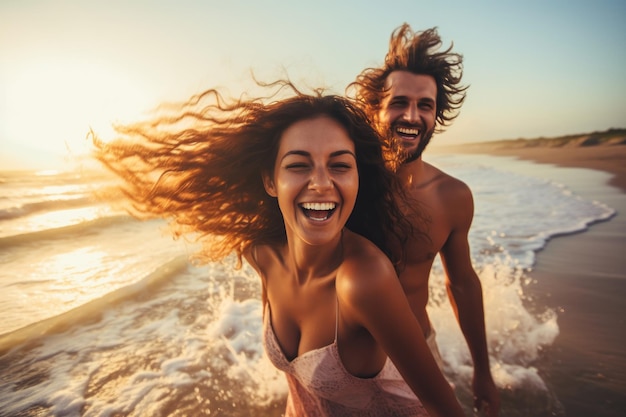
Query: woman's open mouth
x=318 y=211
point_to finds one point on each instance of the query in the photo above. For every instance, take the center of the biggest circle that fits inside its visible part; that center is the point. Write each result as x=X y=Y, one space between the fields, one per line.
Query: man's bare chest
x=430 y=236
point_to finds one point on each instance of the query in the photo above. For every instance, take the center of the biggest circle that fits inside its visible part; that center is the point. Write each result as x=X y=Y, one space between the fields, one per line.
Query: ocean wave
x=23 y=210
x=92 y=310
x=63 y=231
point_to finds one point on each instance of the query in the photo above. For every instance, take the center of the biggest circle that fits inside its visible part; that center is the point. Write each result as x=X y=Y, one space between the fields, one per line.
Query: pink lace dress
x=319 y=385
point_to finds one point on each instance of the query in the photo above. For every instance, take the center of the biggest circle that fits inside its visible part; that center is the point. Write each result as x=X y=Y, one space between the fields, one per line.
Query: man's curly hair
x=418 y=53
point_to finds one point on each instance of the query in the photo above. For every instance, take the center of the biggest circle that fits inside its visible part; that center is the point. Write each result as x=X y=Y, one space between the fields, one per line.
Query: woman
x=298 y=187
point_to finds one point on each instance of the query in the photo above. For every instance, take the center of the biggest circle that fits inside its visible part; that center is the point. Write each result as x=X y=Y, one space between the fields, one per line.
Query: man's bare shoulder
x=446 y=186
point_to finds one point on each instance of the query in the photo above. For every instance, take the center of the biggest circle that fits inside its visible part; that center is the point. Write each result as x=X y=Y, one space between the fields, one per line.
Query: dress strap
x=336 y=315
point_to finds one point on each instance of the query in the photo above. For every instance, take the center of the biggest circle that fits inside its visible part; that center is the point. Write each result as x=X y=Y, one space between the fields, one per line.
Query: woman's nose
x=320 y=180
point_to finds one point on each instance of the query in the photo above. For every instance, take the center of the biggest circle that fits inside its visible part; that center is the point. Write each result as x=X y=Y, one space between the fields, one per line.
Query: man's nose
x=411 y=114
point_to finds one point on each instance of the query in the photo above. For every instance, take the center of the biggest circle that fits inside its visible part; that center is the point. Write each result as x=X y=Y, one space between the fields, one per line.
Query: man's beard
x=406 y=157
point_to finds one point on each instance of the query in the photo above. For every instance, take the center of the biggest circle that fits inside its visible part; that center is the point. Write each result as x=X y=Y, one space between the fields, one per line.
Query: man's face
x=408 y=112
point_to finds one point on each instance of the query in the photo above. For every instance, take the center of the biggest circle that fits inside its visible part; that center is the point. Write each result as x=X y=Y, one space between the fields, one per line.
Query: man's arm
x=465 y=294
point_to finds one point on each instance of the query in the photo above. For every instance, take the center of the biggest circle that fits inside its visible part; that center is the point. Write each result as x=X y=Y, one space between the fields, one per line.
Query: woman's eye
x=341 y=167
x=297 y=166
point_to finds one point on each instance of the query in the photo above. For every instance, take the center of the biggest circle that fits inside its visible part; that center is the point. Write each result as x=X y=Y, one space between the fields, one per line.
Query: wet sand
x=608 y=158
x=583 y=277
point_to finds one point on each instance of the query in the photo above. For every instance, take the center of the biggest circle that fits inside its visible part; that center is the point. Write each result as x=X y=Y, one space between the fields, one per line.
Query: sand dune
x=604 y=151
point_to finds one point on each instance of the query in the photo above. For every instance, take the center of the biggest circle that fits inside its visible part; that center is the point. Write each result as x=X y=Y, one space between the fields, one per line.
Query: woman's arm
x=251 y=255
x=372 y=295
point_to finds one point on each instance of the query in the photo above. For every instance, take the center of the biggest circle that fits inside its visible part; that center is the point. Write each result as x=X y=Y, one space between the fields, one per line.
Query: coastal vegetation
x=608 y=137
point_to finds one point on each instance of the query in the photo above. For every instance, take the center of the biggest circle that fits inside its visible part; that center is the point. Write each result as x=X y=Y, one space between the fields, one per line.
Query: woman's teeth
x=318 y=211
x=318 y=206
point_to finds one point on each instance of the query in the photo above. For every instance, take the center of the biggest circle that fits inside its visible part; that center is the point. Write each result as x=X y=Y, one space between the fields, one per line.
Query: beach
x=583 y=277
x=105 y=315
x=606 y=157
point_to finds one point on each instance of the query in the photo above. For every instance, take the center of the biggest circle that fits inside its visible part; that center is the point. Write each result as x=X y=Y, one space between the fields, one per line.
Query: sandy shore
x=608 y=158
x=583 y=277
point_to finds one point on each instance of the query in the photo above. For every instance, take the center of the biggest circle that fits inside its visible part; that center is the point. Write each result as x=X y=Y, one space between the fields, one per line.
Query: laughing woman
x=299 y=188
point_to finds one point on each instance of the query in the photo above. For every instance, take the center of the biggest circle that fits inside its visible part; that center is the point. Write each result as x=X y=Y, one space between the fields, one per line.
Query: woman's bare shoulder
x=260 y=257
x=365 y=270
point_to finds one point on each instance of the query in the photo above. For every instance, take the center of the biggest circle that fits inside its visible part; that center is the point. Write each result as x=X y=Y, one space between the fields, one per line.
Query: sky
x=535 y=68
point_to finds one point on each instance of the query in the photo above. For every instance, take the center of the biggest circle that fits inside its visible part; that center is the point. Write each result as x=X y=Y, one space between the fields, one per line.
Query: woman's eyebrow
x=342 y=152
x=296 y=152
x=307 y=154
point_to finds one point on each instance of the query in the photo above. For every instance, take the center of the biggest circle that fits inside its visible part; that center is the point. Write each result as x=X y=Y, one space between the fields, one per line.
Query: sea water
x=104 y=315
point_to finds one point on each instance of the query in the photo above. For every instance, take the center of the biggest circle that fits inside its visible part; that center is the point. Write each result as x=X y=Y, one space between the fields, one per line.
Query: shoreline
x=583 y=278
x=607 y=158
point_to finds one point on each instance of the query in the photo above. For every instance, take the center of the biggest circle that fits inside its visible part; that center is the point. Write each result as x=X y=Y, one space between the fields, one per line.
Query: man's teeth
x=318 y=206
x=408 y=131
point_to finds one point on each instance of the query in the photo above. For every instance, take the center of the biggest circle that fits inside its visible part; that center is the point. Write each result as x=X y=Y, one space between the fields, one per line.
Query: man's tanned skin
x=413 y=95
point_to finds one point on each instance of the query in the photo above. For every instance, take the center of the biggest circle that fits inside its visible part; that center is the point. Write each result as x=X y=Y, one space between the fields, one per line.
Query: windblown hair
x=200 y=166
x=418 y=53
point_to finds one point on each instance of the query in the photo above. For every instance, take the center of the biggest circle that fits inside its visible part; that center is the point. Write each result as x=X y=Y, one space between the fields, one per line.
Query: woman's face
x=315 y=179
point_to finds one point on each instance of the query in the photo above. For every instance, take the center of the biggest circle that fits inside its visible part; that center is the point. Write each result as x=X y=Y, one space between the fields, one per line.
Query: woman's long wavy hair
x=418 y=53
x=200 y=165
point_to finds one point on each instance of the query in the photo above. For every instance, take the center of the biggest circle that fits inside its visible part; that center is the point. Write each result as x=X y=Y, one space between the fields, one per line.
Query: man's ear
x=268 y=184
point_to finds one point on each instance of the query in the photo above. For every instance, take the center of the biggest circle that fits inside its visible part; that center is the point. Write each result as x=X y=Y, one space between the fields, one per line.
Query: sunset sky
x=535 y=68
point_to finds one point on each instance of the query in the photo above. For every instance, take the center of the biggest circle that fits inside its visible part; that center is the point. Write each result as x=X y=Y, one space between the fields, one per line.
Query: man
x=414 y=94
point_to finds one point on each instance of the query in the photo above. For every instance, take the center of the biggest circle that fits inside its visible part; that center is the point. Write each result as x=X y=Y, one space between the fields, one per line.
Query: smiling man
x=416 y=93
